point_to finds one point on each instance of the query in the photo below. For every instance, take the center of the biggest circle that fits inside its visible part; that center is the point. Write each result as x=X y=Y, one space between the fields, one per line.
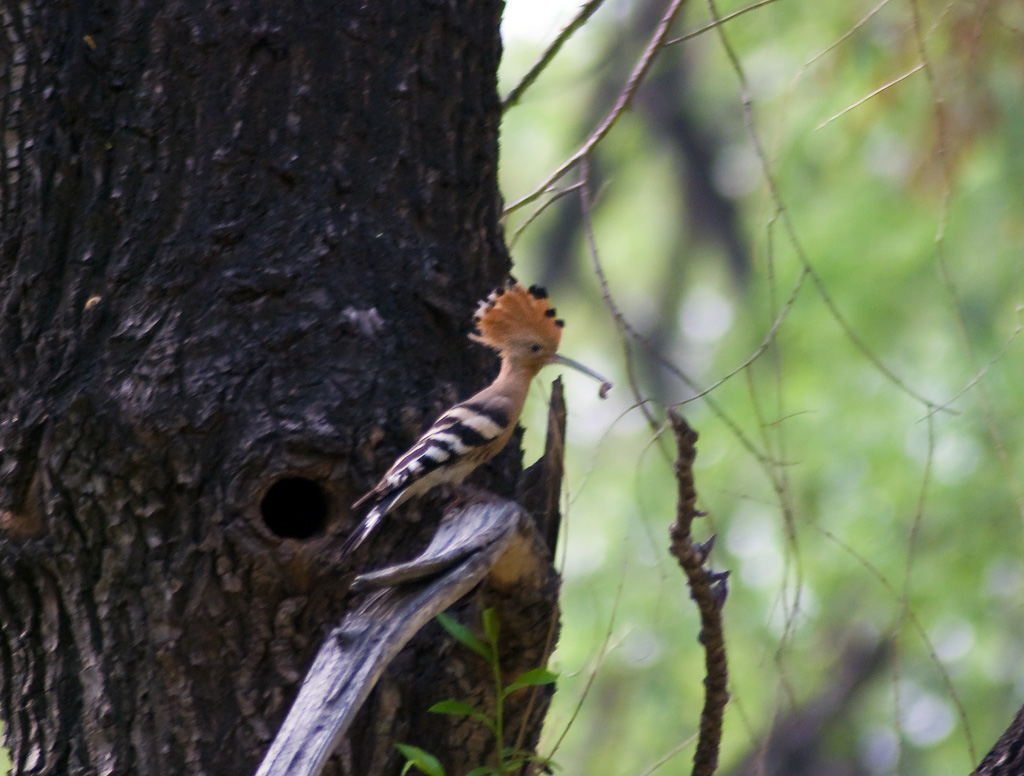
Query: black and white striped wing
x=459 y=441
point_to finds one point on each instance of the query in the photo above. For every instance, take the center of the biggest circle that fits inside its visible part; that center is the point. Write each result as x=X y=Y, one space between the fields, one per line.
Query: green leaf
x=484 y=770
x=491 y=626
x=465 y=636
x=532 y=678
x=421 y=760
x=452 y=706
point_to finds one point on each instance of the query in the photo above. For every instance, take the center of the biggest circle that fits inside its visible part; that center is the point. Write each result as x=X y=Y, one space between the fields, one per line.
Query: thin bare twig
x=534 y=72
x=980 y=374
x=601 y=655
x=867 y=97
x=723 y=20
x=668 y=756
x=625 y=97
x=556 y=195
x=620 y=321
x=845 y=36
x=766 y=342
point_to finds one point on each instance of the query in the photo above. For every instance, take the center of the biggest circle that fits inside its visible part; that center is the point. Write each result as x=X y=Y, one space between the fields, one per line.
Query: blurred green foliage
x=863 y=472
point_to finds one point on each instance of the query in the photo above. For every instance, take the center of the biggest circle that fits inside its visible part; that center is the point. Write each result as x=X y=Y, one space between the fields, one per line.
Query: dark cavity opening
x=295 y=508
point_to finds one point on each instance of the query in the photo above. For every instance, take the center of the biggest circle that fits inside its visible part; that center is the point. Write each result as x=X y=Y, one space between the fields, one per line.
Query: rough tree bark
x=239 y=246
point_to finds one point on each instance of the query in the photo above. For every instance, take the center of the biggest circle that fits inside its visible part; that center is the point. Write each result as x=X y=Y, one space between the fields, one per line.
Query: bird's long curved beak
x=605 y=384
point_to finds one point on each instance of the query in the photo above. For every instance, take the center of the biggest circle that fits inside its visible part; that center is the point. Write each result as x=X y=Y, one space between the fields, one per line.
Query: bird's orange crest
x=512 y=312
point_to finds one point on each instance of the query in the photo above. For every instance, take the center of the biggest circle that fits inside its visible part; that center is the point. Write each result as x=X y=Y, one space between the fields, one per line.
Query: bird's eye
x=535 y=348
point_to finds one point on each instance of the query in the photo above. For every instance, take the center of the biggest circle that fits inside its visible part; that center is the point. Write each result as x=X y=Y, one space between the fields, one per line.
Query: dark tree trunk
x=1007 y=755
x=240 y=243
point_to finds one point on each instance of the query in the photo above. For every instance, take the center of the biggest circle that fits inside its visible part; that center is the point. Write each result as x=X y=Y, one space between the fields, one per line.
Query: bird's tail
x=368 y=526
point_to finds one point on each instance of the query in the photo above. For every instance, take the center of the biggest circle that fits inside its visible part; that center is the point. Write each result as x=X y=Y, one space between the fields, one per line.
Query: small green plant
x=423 y=761
x=510 y=759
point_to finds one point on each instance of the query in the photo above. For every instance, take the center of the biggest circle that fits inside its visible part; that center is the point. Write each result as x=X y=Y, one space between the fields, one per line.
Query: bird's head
x=521 y=325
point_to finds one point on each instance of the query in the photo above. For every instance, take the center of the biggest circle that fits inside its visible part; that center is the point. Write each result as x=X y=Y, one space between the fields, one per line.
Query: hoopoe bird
x=522 y=327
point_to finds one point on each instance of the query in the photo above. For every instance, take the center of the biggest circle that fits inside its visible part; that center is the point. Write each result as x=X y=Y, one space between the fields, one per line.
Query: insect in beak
x=605 y=384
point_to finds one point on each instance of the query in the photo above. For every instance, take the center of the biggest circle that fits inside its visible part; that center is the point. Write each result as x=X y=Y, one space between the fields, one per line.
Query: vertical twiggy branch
x=708 y=589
